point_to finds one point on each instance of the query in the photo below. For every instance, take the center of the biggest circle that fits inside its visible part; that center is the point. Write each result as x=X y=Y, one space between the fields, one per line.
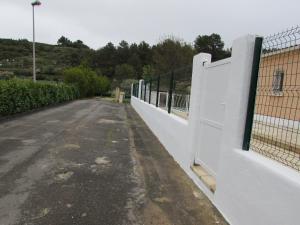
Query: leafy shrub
x=126 y=86
x=18 y=95
x=124 y=71
x=87 y=81
x=103 y=85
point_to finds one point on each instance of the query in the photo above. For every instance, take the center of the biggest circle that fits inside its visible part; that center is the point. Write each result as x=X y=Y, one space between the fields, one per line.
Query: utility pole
x=35 y=3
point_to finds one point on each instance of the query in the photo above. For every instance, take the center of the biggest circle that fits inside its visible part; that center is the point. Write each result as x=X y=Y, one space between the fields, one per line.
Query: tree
x=124 y=71
x=103 y=85
x=63 y=41
x=79 y=44
x=78 y=77
x=145 y=53
x=75 y=58
x=105 y=59
x=170 y=54
x=123 y=52
x=86 y=80
x=213 y=45
x=148 y=72
x=135 y=61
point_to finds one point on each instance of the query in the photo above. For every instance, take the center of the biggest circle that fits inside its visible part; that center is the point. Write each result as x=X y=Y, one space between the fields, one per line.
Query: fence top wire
x=182 y=79
x=282 y=41
x=183 y=72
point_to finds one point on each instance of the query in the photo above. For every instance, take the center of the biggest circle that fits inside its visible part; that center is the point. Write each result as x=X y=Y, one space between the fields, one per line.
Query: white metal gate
x=211 y=117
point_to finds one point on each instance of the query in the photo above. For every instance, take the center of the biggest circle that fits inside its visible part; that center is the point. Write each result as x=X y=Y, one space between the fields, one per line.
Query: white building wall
x=251 y=189
x=269 y=120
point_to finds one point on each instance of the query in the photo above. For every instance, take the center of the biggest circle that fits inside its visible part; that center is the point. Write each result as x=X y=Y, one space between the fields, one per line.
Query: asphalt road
x=93 y=162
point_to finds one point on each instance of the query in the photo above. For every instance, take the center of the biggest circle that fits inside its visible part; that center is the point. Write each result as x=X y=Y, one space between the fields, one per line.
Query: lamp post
x=35 y=3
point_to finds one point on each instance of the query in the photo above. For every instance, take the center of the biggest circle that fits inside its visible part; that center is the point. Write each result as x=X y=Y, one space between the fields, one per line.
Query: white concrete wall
x=172 y=131
x=251 y=189
x=269 y=120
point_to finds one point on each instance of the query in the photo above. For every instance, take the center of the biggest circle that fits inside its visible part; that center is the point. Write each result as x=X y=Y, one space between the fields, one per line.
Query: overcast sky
x=97 y=22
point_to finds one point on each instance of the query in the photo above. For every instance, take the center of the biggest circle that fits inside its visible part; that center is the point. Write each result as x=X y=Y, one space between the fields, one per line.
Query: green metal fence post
x=170 y=92
x=133 y=90
x=150 y=87
x=252 y=93
x=145 y=85
x=136 y=90
x=157 y=90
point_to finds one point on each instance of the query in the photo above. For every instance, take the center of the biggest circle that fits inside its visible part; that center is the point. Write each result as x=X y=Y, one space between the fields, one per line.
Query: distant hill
x=16 y=58
x=117 y=62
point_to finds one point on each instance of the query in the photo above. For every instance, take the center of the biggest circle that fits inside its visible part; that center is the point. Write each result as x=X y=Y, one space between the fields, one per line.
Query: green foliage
x=103 y=85
x=104 y=59
x=117 y=62
x=172 y=53
x=212 y=44
x=16 y=57
x=126 y=86
x=124 y=71
x=63 y=41
x=148 y=72
x=18 y=95
x=87 y=81
x=110 y=57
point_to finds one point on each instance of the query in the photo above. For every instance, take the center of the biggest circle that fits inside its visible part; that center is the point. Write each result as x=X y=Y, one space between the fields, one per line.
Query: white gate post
x=140 y=88
x=167 y=100
x=238 y=92
x=187 y=103
x=195 y=101
x=236 y=110
x=159 y=99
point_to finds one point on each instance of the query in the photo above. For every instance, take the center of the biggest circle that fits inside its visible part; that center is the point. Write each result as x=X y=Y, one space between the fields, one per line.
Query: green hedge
x=87 y=81
x=18 y=95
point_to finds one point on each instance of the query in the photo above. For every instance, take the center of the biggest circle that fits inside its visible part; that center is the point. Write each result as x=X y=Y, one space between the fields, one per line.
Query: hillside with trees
x=16 y=59
x=116 y=62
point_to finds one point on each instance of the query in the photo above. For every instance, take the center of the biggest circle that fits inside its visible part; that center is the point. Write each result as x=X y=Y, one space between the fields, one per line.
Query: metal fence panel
x=276 y=121
x=173 y=91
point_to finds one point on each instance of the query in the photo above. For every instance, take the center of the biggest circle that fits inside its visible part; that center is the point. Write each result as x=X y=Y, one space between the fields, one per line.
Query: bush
x=126 y=86
x=18 y=95
x=103 y=85
x=87 y=81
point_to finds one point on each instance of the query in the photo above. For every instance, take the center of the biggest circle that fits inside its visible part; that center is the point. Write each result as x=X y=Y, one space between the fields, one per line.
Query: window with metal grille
x=278 y=81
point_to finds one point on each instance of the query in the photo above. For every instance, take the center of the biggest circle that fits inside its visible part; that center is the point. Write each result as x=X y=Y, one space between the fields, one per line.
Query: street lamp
x=35 y=3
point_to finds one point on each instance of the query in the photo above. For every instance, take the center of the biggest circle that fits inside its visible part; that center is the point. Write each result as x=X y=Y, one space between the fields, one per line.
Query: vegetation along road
x=92 y=162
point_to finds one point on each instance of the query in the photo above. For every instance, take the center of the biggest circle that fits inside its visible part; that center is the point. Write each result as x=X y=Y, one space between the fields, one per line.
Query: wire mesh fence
x=182 y=88
x=135 y=90
x=170 y=92
x=275 y=131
